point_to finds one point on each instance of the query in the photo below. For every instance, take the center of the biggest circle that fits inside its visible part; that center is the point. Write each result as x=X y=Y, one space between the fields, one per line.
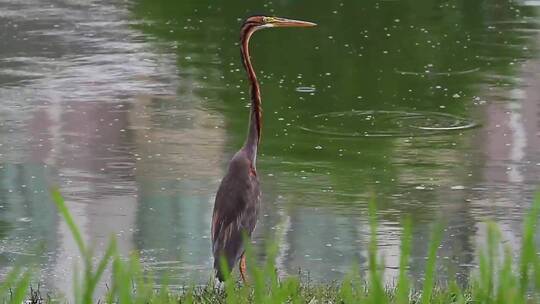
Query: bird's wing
x=235 y=214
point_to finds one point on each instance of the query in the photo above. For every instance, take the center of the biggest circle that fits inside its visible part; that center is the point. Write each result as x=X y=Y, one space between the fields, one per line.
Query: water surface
x=134 y=108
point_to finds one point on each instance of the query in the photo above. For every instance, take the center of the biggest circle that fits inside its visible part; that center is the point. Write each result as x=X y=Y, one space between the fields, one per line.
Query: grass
x=499 y=278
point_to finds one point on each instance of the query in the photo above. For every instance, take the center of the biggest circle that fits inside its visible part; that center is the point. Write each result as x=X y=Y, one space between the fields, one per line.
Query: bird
x=238 y=197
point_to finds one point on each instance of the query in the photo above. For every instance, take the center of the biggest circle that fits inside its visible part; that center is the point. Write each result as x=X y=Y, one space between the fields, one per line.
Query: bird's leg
x=242 y=267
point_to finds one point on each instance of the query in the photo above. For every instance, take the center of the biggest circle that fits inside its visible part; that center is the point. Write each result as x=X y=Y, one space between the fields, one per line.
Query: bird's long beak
x=282 y=22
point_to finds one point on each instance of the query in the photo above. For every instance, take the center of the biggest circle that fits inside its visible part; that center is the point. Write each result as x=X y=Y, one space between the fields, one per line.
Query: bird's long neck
x=255 y=118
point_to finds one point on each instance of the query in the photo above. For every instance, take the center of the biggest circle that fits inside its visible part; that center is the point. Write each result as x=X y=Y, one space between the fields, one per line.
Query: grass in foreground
x=499 y=278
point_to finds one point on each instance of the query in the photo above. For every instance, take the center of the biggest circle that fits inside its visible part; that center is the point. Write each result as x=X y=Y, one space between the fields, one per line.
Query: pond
x=134 y=108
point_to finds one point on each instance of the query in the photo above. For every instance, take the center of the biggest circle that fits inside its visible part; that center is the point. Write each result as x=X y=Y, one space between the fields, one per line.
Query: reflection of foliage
x=353 y=59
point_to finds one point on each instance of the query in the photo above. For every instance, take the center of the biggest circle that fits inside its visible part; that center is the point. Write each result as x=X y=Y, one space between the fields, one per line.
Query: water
x=134 y=108
x=387 y=124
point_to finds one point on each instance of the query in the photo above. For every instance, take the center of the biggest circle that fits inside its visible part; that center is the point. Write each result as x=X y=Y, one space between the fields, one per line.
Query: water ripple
x=387 y=124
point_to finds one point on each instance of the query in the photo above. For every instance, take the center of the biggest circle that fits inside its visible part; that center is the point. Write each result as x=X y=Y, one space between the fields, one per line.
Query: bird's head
x=260 y=22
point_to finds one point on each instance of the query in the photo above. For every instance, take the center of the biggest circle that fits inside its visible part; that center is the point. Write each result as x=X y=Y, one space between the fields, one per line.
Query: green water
x=135 y=109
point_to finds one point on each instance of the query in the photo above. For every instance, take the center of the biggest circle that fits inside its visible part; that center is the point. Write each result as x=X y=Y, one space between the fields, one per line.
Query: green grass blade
x=256 y=274
x=493 y=241
x=230 y=288
x=403 y=288
x=121 y=282
x=20 y=290
x=270 y=271
x=378 y=294
x=61 y=205
x=346 y=290
x=429 y=280
x=9 y=280
x=102 y=265
x=528 y=247
x=507 y=280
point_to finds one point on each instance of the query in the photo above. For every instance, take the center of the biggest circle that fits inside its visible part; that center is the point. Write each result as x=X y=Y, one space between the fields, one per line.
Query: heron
x=238 y=198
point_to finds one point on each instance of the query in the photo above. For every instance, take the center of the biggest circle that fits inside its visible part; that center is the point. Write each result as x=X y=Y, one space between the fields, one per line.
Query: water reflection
x=135 y=109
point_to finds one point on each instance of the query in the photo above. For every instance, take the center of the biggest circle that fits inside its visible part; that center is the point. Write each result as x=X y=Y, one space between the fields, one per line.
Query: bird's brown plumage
x=235 y=211
x=238 y=198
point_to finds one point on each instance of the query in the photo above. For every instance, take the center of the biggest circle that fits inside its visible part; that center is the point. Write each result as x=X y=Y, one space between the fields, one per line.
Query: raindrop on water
x=305 y=89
